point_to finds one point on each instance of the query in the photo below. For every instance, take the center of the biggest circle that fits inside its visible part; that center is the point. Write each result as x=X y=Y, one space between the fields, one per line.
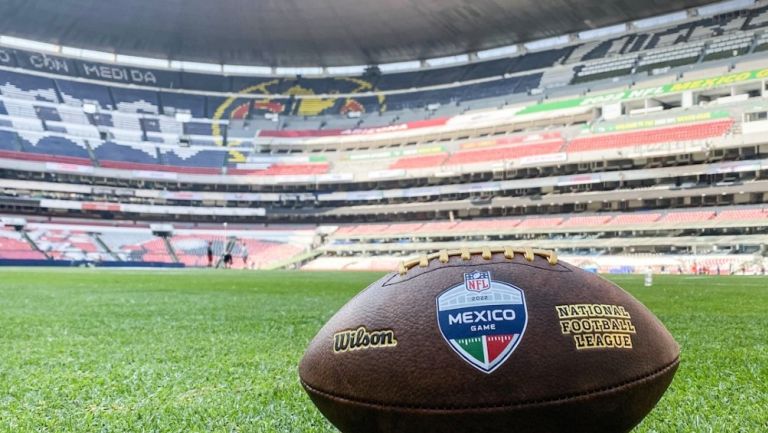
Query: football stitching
x=522 y=404
x=486 y=252
x=403 y=279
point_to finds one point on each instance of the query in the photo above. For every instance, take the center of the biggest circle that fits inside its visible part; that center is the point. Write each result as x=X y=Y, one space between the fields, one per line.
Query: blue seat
x=112 y=151
x=9 y=141
x=541 y=59
x=27 y=86
x=135 y=100
x=491 y=68
x=403 y=80
x=48 y=113
x=752 y=23
x=73 y=92
x=190 y=157
x=150 y=125
x=182 y=101
x=215 y=83
x=197 y=128
x=101 y=119
x=599 y=51
x=55 y=145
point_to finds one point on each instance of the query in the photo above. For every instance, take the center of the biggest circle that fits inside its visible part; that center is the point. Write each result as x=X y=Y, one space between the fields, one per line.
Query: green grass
x=216 y=351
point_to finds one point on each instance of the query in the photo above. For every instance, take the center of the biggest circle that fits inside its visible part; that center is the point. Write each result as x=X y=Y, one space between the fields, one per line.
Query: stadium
x=188 y=192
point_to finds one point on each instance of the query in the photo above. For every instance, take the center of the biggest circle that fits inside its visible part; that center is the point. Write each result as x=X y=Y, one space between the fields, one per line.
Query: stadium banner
x=386 y=174
x=61 y=204
x=364 y=195
x=542 y=159
x=159 y=175
x=45 y=63
x=506 y=141
x=427 y=191
x=429 y=150
x=297 y=196
x=218 y=196
x=99 y=206
x=693 y=85
x=440 y=121
x=44 y=186
x=50 y=63
x=127 y=74
x=7 y=57
x=655 y=123
x=68 y=168
x=119 y=192
x=260 y=159
x=311 y=133
x=255 y=166
x=578 y=179
x=736 y=167
x=250 y=196
x=183 y=195
x=189 y=210
x=334 y=177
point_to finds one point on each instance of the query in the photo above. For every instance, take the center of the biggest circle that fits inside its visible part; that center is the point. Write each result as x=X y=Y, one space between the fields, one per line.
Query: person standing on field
x=210 y=254
x=245 y=255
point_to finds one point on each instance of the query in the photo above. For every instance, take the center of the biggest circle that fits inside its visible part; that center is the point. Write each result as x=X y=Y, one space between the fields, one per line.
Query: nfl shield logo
x=482 y=320
x=477 y=281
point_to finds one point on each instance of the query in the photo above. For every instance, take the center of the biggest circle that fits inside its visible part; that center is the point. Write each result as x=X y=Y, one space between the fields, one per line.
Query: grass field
x=216 y=351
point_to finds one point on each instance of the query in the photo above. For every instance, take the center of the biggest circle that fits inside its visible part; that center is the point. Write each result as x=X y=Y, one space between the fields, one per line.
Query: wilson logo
x=361 y=339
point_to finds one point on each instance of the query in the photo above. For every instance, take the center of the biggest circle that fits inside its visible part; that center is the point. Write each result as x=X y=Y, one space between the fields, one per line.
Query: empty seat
x=690 y=132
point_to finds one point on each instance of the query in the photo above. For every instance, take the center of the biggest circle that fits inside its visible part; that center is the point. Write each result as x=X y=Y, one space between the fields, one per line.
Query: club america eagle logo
x=482 y=320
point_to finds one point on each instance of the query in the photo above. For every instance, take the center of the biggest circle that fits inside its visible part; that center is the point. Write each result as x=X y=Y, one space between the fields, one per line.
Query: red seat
x=419 y=161
x=503 y=153
x=696 y=131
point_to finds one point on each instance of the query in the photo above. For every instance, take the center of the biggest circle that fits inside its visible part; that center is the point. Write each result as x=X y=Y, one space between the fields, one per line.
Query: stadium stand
x=13 y=246
x=126 y=244
x=68 y=245
x=115 y=154
x=419 y=161
x=77 y=93
x=510 y=149
x=662 y=135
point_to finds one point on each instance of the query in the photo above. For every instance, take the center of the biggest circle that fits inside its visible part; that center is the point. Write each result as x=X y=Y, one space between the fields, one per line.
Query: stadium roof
x=312 y=32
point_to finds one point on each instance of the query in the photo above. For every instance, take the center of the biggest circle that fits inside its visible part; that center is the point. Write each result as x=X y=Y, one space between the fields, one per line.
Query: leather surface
x=546 y=385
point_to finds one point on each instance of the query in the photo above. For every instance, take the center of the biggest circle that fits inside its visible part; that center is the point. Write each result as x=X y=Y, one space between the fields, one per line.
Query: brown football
x=490 y=340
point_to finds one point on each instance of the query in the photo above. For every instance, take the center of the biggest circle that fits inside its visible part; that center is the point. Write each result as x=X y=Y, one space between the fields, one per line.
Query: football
x=489 y=340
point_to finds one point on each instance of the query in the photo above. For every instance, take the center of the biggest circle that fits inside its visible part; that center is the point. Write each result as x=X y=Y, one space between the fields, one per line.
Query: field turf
x=216 y=351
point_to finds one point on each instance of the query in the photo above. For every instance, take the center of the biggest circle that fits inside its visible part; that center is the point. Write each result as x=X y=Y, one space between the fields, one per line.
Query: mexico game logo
x=482 y=320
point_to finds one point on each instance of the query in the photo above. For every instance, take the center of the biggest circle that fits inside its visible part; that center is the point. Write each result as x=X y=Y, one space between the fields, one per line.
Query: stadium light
x=660 y=20
x=542 y=44
x=400 y=66
x=142 y=61
x=196 y=66
x=299 y=71
x=246 y=70
x=88 y=54
x=346 y=70
x=449 y=60
x=498 y=52
x=602 y=32
x=722 y=7
x=28 y=44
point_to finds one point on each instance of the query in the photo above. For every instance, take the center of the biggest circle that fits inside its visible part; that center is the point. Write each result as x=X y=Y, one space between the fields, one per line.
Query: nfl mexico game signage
x=482 y=320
